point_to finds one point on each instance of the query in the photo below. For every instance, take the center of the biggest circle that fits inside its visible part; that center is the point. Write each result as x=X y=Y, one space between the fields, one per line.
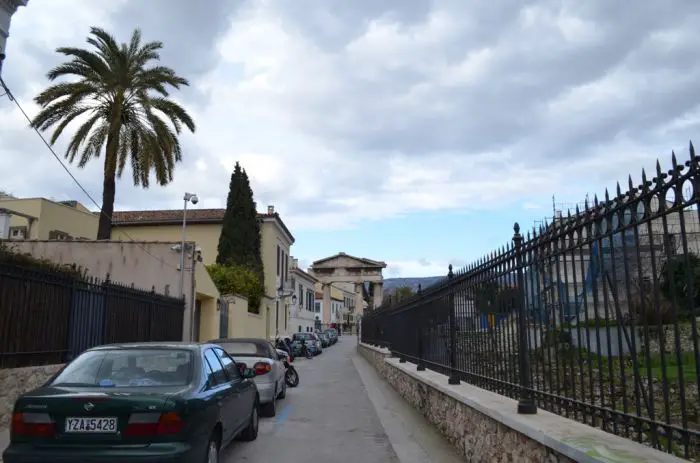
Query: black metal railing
x=592 y=316
x=49 y=317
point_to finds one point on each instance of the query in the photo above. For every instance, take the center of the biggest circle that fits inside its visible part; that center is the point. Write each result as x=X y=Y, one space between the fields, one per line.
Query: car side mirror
x=249 y=373
x=242 y=367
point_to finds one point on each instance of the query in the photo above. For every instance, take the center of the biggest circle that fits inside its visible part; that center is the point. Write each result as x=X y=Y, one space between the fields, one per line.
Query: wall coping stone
x=575 y=440
x=381 y=350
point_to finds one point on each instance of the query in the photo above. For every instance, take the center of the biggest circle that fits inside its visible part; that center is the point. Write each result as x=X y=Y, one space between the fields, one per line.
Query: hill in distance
x=390 y=284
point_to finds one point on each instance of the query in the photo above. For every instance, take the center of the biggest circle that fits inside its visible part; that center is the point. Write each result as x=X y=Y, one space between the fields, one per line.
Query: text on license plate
x=91 y=425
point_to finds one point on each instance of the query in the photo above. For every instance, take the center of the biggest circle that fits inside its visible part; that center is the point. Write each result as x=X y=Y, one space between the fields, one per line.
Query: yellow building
x=204 y=228
x=44 y=219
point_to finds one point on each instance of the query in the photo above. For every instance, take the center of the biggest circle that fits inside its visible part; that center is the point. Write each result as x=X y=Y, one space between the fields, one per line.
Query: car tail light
x=261 y=368
x=32 y=425
x=153 y=424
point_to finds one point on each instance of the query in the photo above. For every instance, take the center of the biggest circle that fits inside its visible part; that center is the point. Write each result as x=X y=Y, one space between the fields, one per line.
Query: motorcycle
x=291 y=377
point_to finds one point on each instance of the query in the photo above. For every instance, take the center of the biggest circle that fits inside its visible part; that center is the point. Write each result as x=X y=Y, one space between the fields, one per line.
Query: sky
x=410 y=131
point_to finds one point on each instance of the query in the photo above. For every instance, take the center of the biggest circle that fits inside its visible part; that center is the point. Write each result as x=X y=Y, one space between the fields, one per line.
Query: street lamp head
x=294 y=299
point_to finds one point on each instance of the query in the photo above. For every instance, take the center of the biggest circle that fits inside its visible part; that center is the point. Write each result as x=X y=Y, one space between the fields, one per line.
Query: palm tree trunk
x=109 y=187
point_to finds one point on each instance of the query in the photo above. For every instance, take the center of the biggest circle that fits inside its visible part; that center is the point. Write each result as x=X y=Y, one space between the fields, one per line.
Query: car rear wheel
x=212 y=455
x=250 y=433
x=269 y=409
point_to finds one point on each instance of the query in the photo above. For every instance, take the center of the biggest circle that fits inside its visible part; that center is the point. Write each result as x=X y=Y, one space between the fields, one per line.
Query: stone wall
x=17 y=381
x=486 y=427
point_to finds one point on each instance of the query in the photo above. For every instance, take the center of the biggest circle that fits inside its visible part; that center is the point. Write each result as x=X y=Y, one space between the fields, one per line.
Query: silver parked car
x=261 y=356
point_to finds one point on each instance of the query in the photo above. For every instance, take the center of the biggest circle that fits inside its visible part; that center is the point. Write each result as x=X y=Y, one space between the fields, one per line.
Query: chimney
x=295 y=262
x=270 y=210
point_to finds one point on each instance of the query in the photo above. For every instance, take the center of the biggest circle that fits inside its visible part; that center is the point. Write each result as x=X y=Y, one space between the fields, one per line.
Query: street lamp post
x=7 y=9
x=189 y=197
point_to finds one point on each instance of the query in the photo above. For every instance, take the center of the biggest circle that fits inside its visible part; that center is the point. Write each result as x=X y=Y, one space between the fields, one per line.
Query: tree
x=239 y=242
x=236 y=279
x=403 y=292
x=124 y=101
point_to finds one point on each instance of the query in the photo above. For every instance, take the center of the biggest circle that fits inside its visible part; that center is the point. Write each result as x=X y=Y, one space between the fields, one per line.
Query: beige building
x=204 y=228
x=44 y=219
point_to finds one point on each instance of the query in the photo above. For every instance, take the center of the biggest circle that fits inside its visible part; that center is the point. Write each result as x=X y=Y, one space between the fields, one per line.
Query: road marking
x=283 y=415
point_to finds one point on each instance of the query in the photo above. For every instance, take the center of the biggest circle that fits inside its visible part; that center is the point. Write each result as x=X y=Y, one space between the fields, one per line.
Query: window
x=228 y=364
x=129 y=368
x=18 y=233
x=217 y=375
x=310 y=301
x=286 y=266
x=279 y=259
x=317 y=304
x=299 y=330
x=301 y=296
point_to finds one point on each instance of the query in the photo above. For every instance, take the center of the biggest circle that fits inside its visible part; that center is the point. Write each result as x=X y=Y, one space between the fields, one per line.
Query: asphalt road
x=343 y=412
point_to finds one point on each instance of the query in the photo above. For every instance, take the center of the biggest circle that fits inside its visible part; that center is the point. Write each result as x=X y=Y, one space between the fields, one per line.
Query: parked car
x=260 y=355
x=154 y=402
x=325 y=339
x=312 y=342
x=333 y=334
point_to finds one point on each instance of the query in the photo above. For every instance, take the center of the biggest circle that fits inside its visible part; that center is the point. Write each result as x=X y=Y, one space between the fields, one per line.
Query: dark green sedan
x=176 y=403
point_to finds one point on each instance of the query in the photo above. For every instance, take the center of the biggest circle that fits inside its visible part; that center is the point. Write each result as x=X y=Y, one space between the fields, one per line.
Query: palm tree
x=123 y=105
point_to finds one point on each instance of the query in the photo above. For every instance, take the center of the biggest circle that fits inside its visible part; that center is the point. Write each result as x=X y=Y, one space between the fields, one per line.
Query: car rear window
x=128 y=368
x=244 y=348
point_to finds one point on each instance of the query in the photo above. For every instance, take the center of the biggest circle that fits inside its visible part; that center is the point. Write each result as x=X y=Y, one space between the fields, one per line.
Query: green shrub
x=236 y=279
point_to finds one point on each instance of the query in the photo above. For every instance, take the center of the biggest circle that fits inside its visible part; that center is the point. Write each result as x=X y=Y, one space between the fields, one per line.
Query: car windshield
x=128 y=368
x=244 y=348
x=298 y=336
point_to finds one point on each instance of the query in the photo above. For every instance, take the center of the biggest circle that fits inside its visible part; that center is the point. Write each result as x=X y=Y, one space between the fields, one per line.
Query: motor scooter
x=291 y=377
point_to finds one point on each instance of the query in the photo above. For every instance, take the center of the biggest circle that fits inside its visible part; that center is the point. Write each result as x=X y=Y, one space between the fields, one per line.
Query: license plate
x=91 y=425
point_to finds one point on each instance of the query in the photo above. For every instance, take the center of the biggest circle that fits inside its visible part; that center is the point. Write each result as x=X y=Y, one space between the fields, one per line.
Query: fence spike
x=630 y=184
x=674 y=161
x=450 y=274
x=107 y=278
x=595 y=200
x=618 y=190
x=692 y=150
x=645 y=182
x=658 y=168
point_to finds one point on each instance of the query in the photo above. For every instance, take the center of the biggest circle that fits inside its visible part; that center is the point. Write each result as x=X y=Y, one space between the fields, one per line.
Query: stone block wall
x=485 y=427
x=16 y=381
x=476 y=436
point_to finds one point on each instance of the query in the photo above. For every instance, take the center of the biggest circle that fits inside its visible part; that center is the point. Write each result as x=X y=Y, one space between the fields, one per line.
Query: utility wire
x=12 y=98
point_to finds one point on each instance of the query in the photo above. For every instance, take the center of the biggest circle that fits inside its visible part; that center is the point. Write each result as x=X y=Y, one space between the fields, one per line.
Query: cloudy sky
x=410 y=131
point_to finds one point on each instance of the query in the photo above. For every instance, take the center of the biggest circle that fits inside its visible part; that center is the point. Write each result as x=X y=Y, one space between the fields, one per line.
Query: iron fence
x=592 y=316
x=48 y=317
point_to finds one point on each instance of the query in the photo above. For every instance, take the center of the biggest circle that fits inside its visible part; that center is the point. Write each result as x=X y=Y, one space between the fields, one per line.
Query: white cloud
x=355 y=112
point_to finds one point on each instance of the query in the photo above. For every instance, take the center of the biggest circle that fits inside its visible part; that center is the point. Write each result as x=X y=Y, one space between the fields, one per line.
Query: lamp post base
x=453 y=380
x=527 y=406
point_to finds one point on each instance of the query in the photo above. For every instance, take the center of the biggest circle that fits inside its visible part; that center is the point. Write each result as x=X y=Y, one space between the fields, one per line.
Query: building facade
x=204 y=228
x=303 y=316
x=45 y=219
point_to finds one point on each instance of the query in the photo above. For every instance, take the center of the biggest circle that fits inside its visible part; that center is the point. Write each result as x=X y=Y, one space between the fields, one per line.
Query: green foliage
x=9 y=256
x=120 y=96
x=239 y=242
x=237 y=279
x=403 y=292
x=491 y=298
x=676 y=273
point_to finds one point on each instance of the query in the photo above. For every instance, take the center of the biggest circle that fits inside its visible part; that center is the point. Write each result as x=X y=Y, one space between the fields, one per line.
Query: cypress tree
x=239 y=243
